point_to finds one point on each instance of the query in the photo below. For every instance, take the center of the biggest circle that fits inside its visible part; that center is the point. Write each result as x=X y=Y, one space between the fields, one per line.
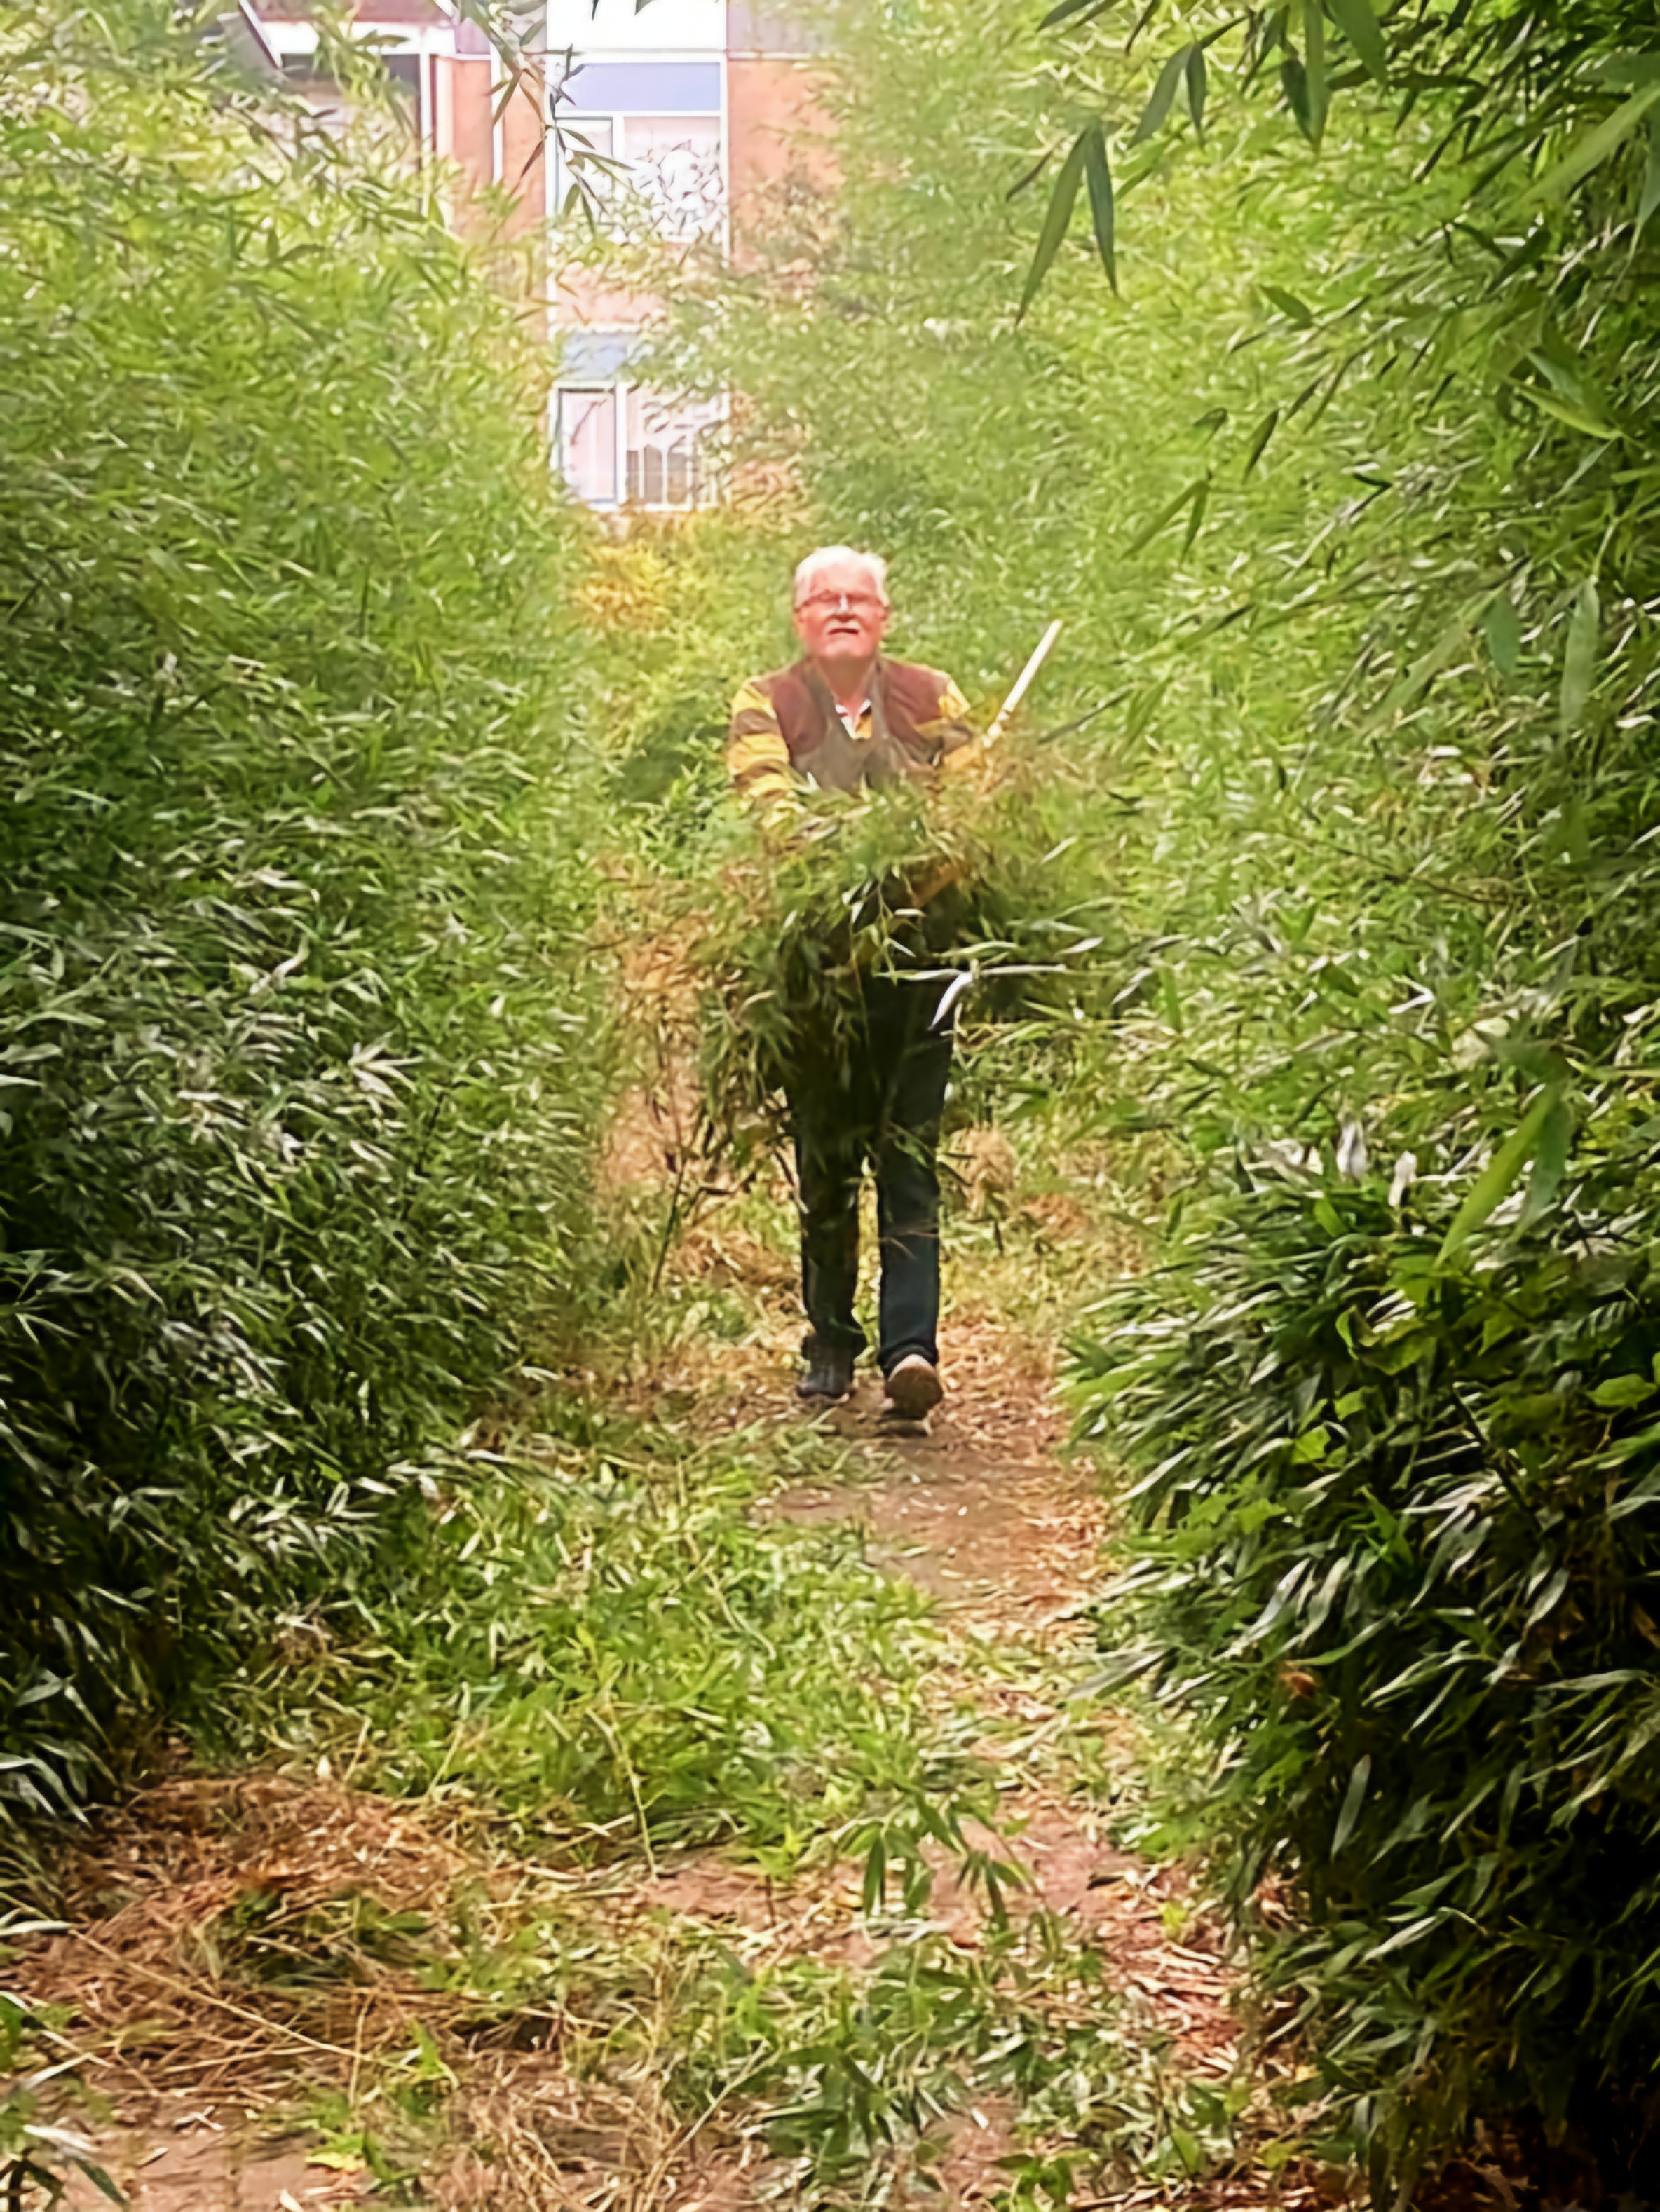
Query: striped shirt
x=769 y=758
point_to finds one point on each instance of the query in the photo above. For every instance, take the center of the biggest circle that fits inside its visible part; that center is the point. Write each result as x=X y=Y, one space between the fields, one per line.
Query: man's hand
x=938 y=878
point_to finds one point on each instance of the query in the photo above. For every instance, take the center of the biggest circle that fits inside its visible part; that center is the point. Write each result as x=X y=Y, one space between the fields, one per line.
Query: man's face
x=842 y=616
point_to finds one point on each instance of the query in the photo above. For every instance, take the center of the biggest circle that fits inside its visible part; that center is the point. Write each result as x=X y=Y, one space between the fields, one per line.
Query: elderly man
x=839 y=718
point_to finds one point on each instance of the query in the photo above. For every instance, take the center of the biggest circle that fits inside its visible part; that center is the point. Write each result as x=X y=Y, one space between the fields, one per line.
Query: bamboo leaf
x=1295 y=80
x=1067 y=8
x=1198 y=86
x=874 y=1889
x=1548 y=1598
x=1057 y=222
x=1354 y=1798
x=1550 y=1159
x=1359 y=25
x=1097 y=171
x=1414 y=681
x=1264 y=430
x=1648 y=197
x=1032 y=175
x=1503 y=630
x=1498 y=1178
x=1299 y=311
x=1195 y=519
x=1167 y=515
x=1595 y=146
x=1576 y=415
x=1164 y=94
x=1565 y=834
x=1579 y=657
x=1314 y=45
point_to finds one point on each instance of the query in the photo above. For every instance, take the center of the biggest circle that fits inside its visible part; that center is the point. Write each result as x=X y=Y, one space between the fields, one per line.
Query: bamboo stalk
x=1022 y=683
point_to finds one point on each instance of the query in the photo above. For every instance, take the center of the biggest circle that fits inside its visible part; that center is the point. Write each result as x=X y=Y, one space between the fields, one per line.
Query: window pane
x=666 y=465
x=587 y=445
x=646 y=87
x=581 y=144
x=404 y=70
x=586 y=133
x=674 y=164
x=645 y=136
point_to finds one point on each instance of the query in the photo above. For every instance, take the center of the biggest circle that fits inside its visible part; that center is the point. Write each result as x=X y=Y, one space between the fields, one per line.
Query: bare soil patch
x=1009 y=1544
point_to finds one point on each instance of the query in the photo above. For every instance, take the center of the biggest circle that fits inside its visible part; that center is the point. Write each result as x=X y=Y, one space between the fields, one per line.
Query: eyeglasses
x=838 y=603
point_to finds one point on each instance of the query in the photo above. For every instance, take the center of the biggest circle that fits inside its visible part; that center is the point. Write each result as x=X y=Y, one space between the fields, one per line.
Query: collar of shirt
x=856 y=724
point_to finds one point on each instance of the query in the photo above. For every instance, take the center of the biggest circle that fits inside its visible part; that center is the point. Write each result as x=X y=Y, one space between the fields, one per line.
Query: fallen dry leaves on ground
x=194 y=1909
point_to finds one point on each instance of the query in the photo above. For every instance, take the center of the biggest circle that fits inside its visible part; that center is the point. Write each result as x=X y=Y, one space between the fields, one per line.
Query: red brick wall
x=464 y=111
x=524 y=155
x=776 y=132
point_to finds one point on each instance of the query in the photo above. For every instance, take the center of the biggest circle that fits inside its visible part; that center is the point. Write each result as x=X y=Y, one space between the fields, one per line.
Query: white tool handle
x=1022 y=683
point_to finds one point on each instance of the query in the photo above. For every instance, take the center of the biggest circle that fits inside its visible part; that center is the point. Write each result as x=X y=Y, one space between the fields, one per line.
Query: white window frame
x=561 y=176
x=707 y=493
x=592 y=387
x=643 y=26
x=622 y=389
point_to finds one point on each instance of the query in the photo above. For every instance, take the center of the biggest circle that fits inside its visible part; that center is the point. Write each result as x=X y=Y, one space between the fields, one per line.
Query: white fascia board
x=633 y=54
x=255 y=29
x=291 y=38
x=689 y=30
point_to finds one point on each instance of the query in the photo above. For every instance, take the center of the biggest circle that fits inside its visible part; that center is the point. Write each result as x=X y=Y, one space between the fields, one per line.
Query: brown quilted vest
x=907 y=735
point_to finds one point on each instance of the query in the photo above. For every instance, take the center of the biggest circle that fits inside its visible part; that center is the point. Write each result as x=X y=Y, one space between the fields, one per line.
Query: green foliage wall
x=1348 y=494
x=1313 y=490
x=1018 y=468
x=1397 y=1559
x=291 y=1107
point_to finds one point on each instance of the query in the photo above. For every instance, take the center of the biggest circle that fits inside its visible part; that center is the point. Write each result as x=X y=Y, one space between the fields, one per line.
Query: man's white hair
x=833 y=556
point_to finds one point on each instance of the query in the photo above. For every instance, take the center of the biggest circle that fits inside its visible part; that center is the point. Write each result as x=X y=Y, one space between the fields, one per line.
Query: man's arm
x=951 y=730
x=757 y=759
x=962 y=751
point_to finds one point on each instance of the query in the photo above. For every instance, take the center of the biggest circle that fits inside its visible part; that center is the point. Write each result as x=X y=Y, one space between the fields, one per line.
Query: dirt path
x=987 y=1514
x=1003 y=1527
x=1008 y=1543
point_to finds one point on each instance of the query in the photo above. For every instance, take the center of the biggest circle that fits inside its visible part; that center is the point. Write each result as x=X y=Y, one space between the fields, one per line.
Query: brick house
x=698 y=99
x=687 y=108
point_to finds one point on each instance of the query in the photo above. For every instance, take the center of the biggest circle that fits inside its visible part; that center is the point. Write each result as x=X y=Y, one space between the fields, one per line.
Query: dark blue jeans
x=877 y=1103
